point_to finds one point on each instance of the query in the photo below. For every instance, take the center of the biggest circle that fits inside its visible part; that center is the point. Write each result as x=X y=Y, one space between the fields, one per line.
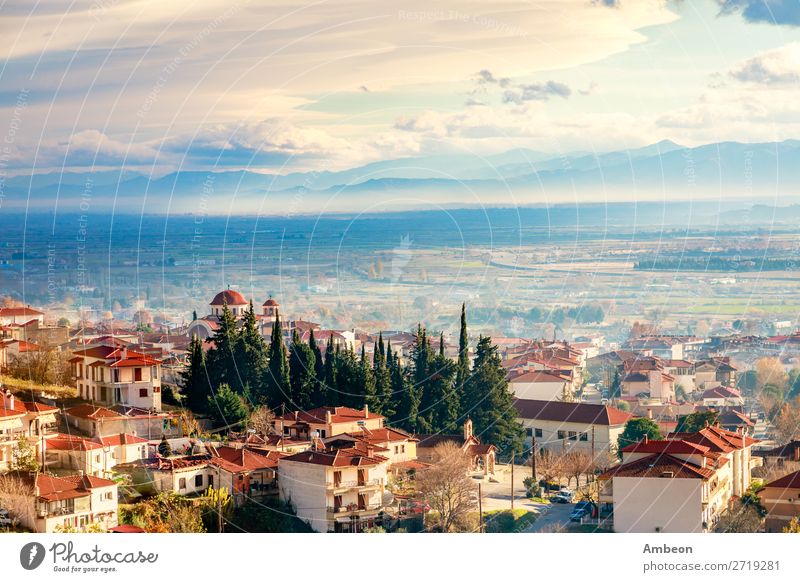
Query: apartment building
x=338 y=490
x=781 y=499
x=682 y=484
x=326 y=421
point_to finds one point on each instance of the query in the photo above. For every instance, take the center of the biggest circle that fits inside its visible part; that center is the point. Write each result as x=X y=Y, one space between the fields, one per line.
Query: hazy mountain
x=767 y=173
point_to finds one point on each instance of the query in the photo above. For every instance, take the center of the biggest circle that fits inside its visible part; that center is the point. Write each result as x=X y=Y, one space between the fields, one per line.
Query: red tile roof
x=318 y=415
x=228 y=297
x=238 y=460
x=659 y=466
x=667 y=447
x=579 y=412
x=14 y=311
x=351 y=457
x=790 y=481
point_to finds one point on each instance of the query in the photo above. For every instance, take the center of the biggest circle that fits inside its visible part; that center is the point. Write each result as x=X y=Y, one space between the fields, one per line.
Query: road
x=553 y=519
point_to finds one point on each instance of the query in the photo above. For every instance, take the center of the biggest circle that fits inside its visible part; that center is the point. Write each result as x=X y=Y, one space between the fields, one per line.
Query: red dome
x=270 y=303
x=229 y=297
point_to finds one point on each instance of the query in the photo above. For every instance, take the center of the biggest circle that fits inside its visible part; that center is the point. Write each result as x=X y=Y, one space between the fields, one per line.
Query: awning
x=47 y=418
x=11 y=423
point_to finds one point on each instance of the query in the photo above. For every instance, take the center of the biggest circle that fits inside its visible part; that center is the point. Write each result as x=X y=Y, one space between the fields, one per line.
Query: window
x=154 y=372
x=97 y=458
x=182 y=483
x=137 y=374
x=537 y=432
x=198 y=480
x=110 y=495
x=584 y=436
x=402 y=448
x=396 y=450
x=211 y=480
x=142 y=392
x=562 y=434
x=573 y=436
x=528 y=432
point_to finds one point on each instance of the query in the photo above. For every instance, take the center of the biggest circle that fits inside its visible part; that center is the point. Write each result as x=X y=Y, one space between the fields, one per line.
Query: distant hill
x=762 y=173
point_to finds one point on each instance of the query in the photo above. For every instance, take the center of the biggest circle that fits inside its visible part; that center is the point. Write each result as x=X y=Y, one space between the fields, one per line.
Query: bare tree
x=44 y=365
x=262 y=421
x=577 y=463
x=446 y=486
x=740 y=519
x=787 y=423
x=16 y=497
x=550 y=466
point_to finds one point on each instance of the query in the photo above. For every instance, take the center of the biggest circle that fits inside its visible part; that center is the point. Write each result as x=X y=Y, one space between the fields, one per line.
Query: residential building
x=781 y=499
x=568 y=426
x=72 y=502
x=714 y=372
x=20 y=315
x=103 y=421
x=683 y=484
x=339 y=490
x=111 y=373
x=722 y=397
x=326 y=421
x=31 y=420
x=549 y=385
x=246 y=473
x=95 y=456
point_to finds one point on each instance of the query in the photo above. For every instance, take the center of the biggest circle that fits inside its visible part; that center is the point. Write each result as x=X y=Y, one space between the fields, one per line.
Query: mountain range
x=750 y=173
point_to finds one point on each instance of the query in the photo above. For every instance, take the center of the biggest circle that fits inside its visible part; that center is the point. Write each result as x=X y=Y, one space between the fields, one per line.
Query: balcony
x=353 y=509
x=355 y=484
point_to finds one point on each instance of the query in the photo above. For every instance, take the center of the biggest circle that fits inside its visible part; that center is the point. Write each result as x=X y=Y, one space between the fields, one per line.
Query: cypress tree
x=462 y=366
x=405 y=395
x=302 y=373
x=251 y=358
x=331 y=386
x=491 y=402
x=221 y=359
x=195 y=386
x=383 y=380
x=278 y=388
x=226 y=407
x=366 y=381
x=318 y=394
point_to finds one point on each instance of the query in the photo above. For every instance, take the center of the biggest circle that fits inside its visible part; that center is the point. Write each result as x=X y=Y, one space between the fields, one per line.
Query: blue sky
x=287 y=86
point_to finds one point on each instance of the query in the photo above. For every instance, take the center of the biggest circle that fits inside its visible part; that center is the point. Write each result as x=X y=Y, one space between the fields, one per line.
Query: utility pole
x=512 y=481
x=533 y=458
x=480 y=509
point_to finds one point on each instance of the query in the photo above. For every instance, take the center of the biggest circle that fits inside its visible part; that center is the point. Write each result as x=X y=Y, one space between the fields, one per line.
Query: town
x=247 y=419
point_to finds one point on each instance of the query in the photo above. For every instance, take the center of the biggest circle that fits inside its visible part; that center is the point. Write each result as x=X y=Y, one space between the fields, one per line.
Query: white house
x=335 y=490
x=541 y=385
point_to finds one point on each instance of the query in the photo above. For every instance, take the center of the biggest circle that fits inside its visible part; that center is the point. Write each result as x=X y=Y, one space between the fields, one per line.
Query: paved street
x=554 y=518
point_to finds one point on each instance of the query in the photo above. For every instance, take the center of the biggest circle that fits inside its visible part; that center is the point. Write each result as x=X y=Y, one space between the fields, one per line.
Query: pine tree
x=251 y=357
x=302 y=373
x=164 y=448
x=491 y=402
x=226 y=407
x=221 y=359
x=277 y=384
x=462 y=367
x=194 y=378
x=442 y=400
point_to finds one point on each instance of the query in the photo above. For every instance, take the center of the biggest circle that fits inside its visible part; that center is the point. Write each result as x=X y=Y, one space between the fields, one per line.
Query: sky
x=284 y=85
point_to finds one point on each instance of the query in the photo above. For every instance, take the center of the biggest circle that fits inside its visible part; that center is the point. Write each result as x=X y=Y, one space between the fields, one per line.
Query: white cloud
x=779 y=66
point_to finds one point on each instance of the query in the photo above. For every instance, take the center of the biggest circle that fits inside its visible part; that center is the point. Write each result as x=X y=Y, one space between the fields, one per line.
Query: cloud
x=486 y=77
x=536 y=92
x=781 y=12
x=590 y=89
x=607 y=3
x=780 y=66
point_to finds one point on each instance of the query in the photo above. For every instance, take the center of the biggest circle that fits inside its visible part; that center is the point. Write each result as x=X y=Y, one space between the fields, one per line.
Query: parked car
x=563 y=496
x=581 y=510
x=5 y=519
